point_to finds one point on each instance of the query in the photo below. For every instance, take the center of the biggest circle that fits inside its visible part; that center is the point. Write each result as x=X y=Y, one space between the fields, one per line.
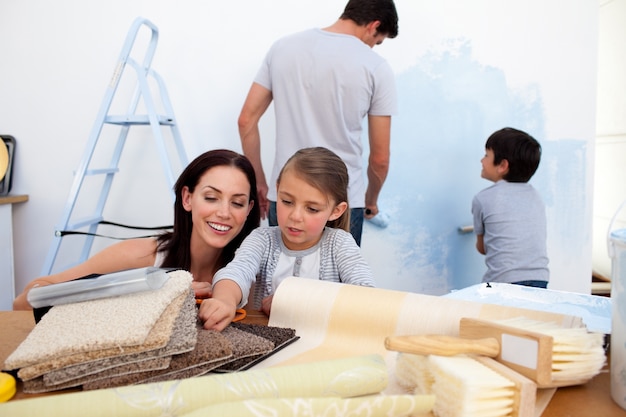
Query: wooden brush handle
x=442 y=345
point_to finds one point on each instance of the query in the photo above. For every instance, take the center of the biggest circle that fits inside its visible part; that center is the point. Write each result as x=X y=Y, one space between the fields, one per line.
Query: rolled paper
x=346 y=377
x=376 y=406
x=617 y=251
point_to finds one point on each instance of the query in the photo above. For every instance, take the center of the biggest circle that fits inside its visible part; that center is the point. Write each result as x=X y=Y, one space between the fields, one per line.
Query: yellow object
x=4 y=159
x=345 y=378
x=376 y=405
x=7 y=387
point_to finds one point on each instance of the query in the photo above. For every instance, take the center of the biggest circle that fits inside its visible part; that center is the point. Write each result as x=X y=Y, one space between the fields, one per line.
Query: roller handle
x=442 y=345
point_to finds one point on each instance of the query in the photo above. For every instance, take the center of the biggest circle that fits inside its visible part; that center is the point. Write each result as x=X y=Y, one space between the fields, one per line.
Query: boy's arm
x=480 y=244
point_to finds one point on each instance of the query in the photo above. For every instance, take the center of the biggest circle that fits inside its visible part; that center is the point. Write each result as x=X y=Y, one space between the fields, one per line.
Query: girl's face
x=219 y=206
x=303 y=211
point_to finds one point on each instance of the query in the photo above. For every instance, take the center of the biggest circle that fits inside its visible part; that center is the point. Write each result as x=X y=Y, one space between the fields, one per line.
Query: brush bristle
x=463 y=387
x=576 y=353
x=412 y=373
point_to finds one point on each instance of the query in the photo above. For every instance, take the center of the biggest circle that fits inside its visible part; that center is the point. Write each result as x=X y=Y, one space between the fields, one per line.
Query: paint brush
x=467 y=386
x=548 y=354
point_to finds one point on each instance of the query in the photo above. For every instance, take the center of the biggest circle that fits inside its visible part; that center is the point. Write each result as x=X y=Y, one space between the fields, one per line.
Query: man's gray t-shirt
x=323 y=84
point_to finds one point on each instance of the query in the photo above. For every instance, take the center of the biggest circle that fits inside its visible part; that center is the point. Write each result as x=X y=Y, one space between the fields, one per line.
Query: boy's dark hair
x=520 y=149
x=365 y=11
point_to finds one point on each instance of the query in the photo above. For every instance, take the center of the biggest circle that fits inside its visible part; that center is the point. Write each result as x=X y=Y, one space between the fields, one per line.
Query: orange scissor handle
x=240 y=314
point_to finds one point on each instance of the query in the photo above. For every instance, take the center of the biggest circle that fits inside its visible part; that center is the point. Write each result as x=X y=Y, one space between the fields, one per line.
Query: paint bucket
x=617 y=252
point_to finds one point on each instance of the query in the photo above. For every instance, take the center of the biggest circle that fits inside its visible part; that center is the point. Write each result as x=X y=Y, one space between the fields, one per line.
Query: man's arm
x=257 y=102
x=480 y=244
x=379 y=128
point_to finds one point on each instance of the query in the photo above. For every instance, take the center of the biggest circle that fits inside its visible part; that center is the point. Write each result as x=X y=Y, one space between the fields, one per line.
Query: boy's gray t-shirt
x=512 y=219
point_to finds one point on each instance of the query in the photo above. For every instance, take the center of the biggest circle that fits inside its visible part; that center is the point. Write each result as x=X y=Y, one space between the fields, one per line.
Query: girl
x=215 y=209
x=311 y=239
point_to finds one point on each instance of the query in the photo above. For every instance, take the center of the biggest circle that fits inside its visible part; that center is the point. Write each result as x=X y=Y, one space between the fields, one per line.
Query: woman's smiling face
x=219 y=205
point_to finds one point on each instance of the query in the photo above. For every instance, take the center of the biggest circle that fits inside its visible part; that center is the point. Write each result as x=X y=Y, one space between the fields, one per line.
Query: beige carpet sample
x=183 y=339
x=158 y=337
x=98 y=324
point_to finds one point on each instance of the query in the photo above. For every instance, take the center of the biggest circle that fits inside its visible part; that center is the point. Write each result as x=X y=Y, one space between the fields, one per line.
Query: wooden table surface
x=591 y=399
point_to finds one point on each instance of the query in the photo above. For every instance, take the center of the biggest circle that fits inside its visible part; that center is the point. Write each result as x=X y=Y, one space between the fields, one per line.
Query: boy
x=509 y=216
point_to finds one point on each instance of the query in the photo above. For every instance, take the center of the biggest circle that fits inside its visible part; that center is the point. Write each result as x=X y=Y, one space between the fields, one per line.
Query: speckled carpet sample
x=38 y=385
x=247 y=347
x=212 y=349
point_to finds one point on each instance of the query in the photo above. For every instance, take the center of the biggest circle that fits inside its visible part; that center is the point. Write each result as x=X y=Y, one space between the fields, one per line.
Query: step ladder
x=145 y=77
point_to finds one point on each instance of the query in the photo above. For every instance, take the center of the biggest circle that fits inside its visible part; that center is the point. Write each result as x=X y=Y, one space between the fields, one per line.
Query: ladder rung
x=102 y=171
x=142 y=119
x=87 y=221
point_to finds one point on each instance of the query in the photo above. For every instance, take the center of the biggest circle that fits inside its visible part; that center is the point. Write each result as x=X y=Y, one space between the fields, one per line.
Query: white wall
x=610 y=171
x=58 y=57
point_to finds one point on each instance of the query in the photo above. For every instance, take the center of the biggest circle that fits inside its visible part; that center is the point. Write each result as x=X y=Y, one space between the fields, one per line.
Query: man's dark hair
x=520 y=149
x=365 y=11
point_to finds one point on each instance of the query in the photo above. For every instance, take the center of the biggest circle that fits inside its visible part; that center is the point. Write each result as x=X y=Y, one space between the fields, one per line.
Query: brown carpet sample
x=212 y=349
x=280 y=336
x=95 y=325
x=38 y=385
x=247 y=347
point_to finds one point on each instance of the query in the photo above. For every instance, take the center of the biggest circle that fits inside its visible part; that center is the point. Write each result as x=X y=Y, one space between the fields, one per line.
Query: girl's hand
x=266 y=304
x=216 y=314
x=202 y=289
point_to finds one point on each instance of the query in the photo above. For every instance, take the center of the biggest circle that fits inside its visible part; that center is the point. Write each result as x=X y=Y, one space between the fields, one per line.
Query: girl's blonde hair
x=324 y=170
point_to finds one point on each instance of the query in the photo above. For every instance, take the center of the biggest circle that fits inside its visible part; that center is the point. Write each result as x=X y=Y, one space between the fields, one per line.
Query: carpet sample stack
x=131 y=339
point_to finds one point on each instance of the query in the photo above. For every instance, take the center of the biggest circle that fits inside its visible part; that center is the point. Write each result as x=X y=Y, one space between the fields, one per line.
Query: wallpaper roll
x=337 y=320
x=346 y=377
x=376 y=406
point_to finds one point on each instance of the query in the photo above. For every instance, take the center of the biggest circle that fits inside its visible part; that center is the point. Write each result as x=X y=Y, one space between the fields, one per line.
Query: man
x=323 y=83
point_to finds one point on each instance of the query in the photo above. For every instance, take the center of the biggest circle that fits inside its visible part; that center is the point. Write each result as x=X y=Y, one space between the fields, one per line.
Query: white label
x=520 y=350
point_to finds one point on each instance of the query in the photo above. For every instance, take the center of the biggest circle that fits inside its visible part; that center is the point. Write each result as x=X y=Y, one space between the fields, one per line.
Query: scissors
x=240 y=313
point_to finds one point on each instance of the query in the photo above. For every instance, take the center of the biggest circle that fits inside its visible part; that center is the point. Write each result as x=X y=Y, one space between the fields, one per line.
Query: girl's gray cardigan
x=257 y=258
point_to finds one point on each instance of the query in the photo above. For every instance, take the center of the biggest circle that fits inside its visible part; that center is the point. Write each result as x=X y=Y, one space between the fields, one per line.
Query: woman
x=215 y=209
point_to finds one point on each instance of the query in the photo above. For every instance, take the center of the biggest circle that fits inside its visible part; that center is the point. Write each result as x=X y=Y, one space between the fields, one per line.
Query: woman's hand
x=216 y=314
x=21 y=301
x=202 y=290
